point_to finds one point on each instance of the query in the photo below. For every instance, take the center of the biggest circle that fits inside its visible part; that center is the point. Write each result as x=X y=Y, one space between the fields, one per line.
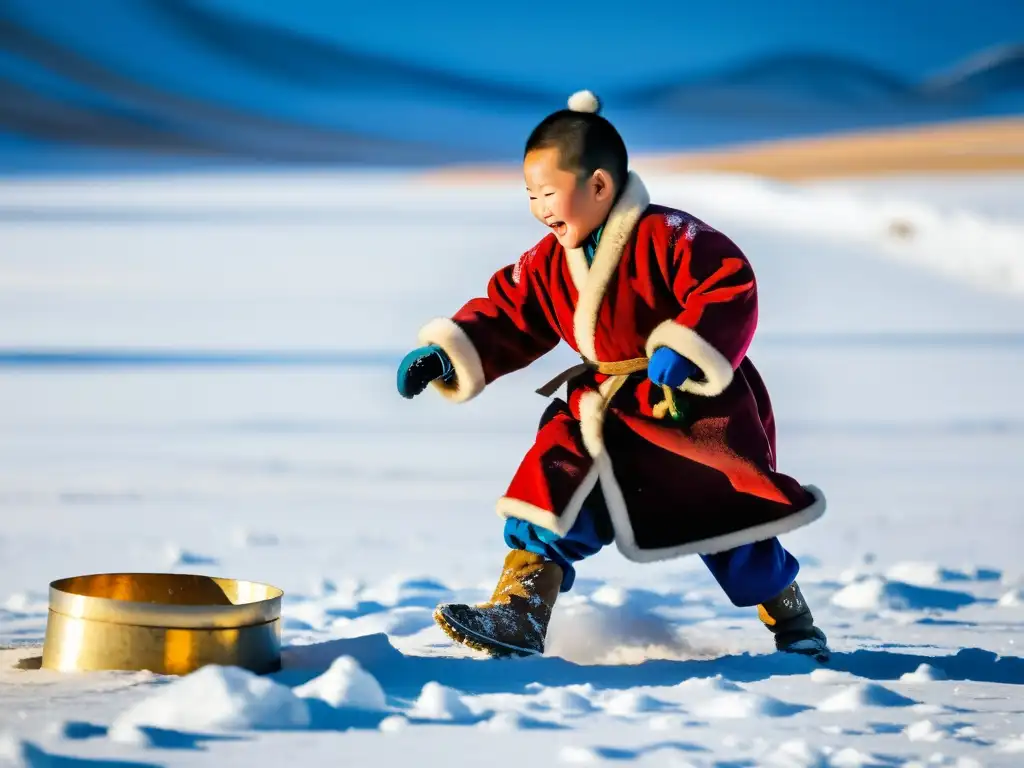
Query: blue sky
x=606 y=44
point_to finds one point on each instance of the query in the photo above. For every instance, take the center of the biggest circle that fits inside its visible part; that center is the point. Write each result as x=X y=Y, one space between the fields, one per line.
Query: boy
x=665 y=443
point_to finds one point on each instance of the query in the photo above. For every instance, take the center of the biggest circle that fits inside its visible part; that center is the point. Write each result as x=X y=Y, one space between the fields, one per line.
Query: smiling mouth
x=558 y=228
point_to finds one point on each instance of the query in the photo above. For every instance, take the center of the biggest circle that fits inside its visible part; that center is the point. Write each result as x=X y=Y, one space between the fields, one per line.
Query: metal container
x=167 y=623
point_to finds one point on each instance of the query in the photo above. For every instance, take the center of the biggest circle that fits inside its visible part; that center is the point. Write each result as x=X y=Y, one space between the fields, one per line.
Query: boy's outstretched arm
x=717 y=294
x=498 y=333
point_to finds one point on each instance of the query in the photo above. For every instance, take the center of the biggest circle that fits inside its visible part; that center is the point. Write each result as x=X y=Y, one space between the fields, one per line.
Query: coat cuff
x=469 y=378
x=715 y=366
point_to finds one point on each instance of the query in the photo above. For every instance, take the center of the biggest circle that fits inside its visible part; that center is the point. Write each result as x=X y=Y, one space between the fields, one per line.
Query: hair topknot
x=585 y=101
x=585 y=140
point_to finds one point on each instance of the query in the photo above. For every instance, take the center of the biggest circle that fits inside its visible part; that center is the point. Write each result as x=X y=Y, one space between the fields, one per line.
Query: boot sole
x=464 y=636
x=821 y=655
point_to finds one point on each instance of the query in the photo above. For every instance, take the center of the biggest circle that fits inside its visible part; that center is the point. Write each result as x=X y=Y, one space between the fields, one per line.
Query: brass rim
x=186 y=601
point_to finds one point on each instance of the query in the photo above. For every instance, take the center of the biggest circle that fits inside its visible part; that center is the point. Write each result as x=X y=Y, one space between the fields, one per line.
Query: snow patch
x=876 y=593
x=578 y=755
x=346 y=685
x=27 y=602
x=613 y=627
x=922 y=574
x=564 y=701
x=929 y=709
x=797 y=754
x=398 y=591
x=219 y=698
x=243 y=538
x=669 y=722
x=438 y=702
x=1013 y=746
x=925 y=673
x=393 y=724
x=312 y=615
x=855 y=697
x=13 y=750
x=129 y=734
x=505 y=721
x=1013 y=598
x=852 y=758
x=912 y=231
x=928 y=574
x=395 y=622
x=924 y=730
x=853 y=575
x=717 y=683
x=630 y=703
x=174 y=556
x=745 y=704
x=830 y=676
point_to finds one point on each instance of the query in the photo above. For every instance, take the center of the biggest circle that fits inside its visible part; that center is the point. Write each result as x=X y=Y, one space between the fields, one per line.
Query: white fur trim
x=718 y=371
x=559 y=524
x=578 y=268
x=626 y=542
x=592 y=409
x=585 y=101
x=593 y=406
x=469 y=371
x=592 y=423
x=617 y=231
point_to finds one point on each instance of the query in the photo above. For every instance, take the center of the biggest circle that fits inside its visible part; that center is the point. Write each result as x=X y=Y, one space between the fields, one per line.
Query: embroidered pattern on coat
x=678 y=220
x=524 y=261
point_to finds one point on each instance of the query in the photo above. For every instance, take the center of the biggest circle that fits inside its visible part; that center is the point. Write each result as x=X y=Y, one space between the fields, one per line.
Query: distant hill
x=993 y=73
x=830 y=81
x=787 y=77
x=181 y=82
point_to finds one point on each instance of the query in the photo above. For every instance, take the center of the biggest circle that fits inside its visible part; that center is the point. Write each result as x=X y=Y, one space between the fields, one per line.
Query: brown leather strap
x=622 y=367
x=567 y=375
x=617 y=368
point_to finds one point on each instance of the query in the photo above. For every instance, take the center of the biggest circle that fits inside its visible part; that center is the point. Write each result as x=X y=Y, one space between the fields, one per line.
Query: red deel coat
x=659 y=277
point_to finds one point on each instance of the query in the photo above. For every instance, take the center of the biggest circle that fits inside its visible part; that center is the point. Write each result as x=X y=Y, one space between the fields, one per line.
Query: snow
x=1013 y=745
x=393 y=724
x=879 y=593
x=346 y=684
x=797 y=754
x=1013 y=598
x=924 y=730
x=925 y=673
x=579 y=755
x=439 y=702
x=630 y=703
x=564 y=702
x=738 y=705
x=219 y=698
x=895 y=365
x=856 y=697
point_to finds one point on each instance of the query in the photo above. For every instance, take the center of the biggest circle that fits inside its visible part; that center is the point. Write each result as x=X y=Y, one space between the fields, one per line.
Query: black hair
x=585 y=142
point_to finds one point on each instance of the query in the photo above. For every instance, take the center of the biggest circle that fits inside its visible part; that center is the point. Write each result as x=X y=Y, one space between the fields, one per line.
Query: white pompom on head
x=585 y=101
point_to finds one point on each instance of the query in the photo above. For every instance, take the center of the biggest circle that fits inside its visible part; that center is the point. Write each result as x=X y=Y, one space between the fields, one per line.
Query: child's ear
x=602 y=185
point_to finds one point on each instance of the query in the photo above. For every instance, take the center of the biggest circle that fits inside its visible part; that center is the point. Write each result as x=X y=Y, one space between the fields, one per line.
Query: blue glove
x=422 y=366
x=667 y=366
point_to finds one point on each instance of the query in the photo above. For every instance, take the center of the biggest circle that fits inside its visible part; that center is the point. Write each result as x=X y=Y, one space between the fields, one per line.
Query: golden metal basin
x=168 y=623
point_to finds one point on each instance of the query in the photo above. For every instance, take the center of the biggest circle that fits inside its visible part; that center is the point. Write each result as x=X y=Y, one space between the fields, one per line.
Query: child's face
x=570 y=208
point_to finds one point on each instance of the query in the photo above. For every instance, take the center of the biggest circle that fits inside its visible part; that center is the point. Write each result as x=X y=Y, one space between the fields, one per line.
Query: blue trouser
x=749 y=575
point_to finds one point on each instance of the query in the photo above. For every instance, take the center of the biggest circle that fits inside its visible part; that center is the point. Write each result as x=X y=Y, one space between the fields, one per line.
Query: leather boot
x=790 y=620
x=515 y=620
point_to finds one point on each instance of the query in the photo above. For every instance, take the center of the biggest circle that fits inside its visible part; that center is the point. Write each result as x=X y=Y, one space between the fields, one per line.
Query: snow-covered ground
x=892 y=339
